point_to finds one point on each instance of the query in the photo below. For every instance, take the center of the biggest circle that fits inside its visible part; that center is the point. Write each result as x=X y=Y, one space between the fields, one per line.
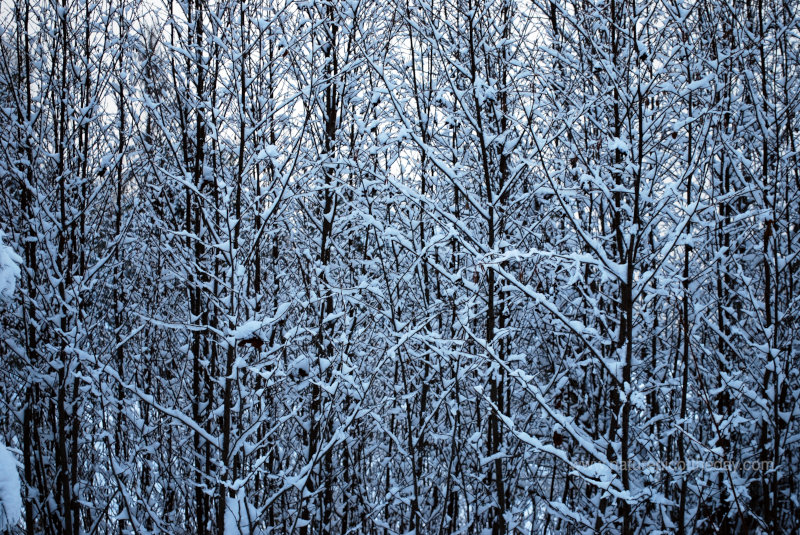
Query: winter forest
x=399 y=267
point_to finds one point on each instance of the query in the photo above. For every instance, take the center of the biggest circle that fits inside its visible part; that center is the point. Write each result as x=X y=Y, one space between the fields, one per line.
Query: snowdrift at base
x=10 y=498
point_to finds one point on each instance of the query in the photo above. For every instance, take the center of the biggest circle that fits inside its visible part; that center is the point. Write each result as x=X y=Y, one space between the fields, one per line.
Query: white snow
x=239 y=514
x=246 y=329
x=9 y=269
x=618 y=143
x=249 y=327
x=300 y=364
x=599 y=471
x=10 y=497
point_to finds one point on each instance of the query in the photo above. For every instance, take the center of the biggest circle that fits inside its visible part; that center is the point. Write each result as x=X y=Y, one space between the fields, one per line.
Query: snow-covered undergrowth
x=10 y=498
x=9 y=269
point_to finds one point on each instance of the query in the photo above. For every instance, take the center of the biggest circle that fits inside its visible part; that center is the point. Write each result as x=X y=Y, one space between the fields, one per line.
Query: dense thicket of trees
x=444 y=266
